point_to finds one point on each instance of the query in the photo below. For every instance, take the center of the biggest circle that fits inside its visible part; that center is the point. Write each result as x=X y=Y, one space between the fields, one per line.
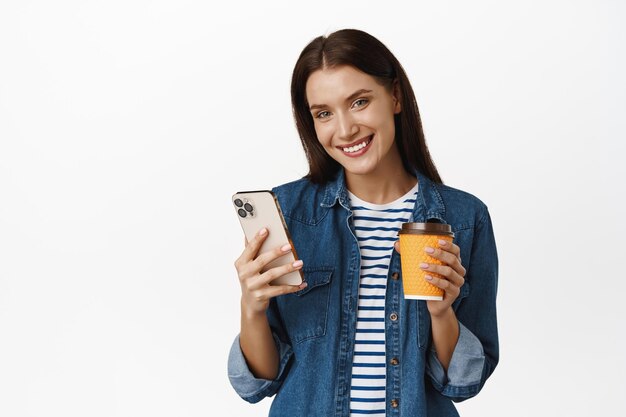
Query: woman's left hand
x=452 y=275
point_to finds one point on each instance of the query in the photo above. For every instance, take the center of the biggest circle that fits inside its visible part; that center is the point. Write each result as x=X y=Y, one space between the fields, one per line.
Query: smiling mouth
x=358 y=146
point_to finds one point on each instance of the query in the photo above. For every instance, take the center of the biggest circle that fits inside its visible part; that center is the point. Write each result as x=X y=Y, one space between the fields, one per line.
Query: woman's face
x=354 y=119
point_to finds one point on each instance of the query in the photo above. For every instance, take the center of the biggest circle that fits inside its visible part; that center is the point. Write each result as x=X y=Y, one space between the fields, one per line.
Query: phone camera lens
x=242 y=212
x=238 y=202
x=248 y=207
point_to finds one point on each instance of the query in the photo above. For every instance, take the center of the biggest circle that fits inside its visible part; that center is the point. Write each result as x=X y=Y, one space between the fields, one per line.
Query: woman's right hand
x=256 y=290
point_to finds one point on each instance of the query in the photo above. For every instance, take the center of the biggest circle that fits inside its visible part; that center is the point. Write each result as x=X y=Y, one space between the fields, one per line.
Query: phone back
x=258 y=209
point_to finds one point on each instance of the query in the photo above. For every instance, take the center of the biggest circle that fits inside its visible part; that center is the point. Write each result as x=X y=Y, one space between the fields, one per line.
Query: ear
x=397 y=97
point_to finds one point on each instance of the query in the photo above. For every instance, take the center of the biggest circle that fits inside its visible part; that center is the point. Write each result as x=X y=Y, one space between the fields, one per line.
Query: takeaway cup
x=414 y=237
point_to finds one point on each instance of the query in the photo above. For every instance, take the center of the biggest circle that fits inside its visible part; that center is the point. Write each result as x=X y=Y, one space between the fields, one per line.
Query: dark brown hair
x=366 y=53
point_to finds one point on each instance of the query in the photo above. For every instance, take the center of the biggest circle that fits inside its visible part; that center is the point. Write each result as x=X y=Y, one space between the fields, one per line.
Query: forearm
x=445 y=331
x=257 y=345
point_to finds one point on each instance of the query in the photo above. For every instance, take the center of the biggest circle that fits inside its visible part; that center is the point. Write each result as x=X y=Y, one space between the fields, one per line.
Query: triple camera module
x=244 y=209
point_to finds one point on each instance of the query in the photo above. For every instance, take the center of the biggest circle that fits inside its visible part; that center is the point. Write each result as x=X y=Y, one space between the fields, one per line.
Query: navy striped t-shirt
x=376 y=227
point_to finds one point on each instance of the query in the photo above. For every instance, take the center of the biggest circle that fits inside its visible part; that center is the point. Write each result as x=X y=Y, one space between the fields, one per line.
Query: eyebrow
x=349 y=98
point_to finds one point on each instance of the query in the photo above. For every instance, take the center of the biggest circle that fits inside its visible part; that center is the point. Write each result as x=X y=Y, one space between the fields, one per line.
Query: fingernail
x=424 y=265
x=286 y=248
x=303 y=285
x=263 y=232
x=297 y=263
x=443 y=242
x=428 y=277
x=429 y=249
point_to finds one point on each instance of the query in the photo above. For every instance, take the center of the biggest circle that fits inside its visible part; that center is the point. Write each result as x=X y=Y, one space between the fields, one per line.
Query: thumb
x=397 y=246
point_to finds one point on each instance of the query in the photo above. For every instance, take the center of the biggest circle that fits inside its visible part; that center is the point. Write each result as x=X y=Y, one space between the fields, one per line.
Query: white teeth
x=357 y=147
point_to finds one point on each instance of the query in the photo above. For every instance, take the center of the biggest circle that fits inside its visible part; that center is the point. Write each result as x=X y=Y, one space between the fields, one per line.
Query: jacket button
x=393 y=316
x=394 y=361
x=394 y=403
x=395 y=276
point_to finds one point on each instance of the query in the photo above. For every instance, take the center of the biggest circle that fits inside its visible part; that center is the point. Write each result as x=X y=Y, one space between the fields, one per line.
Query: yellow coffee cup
x=414 y=237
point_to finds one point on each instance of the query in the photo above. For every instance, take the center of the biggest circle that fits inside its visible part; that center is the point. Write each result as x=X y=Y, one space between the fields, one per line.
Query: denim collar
x=429 y=203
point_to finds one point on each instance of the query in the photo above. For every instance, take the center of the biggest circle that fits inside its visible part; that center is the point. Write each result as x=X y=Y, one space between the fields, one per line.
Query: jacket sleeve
x=246 y=385
x=476 y=353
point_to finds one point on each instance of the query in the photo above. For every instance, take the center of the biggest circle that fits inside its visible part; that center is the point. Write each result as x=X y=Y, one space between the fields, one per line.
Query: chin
x=359 y=170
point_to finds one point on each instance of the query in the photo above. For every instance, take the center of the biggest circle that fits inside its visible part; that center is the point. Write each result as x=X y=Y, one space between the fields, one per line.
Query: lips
x=355 y=147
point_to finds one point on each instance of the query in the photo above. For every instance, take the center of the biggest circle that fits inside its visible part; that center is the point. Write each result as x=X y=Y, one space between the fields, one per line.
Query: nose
x=346 y=127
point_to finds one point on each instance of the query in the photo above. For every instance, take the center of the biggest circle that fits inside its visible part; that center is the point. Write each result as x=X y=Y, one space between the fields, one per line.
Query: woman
x=346 y=342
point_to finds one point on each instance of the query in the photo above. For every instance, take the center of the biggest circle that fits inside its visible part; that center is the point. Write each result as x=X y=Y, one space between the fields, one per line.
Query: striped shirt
x=376 y=227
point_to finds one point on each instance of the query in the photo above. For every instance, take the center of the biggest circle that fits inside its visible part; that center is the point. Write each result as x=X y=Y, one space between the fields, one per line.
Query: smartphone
x=258 y=209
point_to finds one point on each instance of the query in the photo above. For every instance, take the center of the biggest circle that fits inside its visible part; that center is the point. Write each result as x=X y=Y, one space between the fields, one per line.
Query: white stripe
x=370 y=383
x=369 y=348
x=372 y=291
x=369 y=336
x=370 y=314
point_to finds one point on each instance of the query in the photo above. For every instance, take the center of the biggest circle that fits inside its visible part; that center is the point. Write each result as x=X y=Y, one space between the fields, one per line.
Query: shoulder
x=461 y=206
x=291 y=193
x=300 y=199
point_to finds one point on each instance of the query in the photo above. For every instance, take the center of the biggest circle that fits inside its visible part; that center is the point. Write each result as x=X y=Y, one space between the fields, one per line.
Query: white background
x=125 y=126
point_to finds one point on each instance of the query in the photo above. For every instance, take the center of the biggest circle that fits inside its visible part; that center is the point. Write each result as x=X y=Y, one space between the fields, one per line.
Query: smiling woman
x=347 y=341
x=356 y=125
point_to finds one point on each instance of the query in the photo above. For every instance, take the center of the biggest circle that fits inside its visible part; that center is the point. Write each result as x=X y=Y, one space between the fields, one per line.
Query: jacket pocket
x=305 y=313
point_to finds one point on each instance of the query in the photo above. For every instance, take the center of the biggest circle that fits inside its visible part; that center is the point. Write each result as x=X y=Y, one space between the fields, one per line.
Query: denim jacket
x=314 y=328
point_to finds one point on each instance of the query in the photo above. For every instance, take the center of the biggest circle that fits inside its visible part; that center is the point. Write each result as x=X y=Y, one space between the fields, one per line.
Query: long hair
x=366 y=53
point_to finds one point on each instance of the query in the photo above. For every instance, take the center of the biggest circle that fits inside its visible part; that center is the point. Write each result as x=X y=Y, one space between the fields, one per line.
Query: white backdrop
x=125 y=126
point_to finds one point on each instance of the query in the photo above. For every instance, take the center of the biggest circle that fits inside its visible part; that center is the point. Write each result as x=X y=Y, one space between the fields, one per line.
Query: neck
x=384 y=185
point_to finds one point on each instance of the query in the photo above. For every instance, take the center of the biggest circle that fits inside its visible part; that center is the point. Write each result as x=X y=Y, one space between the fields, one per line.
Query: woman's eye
x=323 y=114
x=360 y=102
